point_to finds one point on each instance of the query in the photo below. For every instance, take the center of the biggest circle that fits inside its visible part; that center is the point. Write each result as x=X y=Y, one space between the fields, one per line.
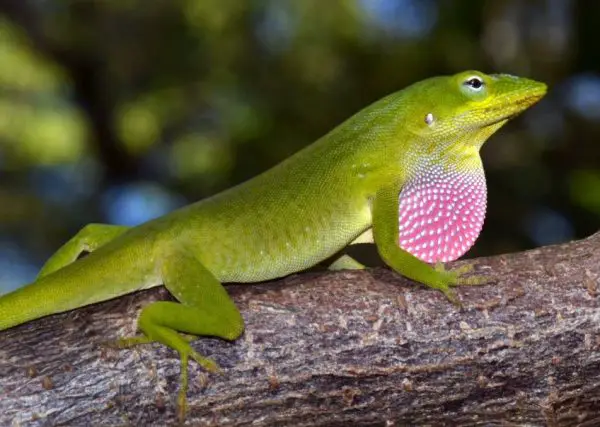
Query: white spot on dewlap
x=456 y=219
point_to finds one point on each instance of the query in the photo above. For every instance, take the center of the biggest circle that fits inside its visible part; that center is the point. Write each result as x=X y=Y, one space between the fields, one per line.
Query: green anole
x=405 y=170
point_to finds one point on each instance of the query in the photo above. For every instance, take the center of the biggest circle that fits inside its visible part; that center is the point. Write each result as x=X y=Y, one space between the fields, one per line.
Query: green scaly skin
x=291 y=217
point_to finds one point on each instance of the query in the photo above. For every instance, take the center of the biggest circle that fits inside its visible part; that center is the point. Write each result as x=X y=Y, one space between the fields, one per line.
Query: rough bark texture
x=364 y=347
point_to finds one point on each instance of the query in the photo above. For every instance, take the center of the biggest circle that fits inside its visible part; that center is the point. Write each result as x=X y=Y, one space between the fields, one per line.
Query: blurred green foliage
x=98 y=98
x=36 y=125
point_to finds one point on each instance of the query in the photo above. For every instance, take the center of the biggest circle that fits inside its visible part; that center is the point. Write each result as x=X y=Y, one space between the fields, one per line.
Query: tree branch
x=364 y=347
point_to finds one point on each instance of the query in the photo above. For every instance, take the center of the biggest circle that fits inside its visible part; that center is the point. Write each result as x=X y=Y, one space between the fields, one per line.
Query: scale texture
x=442 y=213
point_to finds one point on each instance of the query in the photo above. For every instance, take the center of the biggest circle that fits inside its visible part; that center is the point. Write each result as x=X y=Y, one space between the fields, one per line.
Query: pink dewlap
x=441 y=213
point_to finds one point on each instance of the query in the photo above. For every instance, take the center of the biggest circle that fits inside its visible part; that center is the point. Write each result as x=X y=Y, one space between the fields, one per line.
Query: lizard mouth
x=500 y=112
x=511 y=107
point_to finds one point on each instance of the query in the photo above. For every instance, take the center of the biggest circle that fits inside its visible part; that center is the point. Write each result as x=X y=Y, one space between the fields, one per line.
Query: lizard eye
x=474 y=83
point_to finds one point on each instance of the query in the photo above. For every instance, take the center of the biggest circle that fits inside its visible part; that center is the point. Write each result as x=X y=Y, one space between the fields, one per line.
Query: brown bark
x=365 y=347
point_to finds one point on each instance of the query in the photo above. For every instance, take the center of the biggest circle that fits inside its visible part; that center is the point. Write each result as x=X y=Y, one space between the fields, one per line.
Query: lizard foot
x=185 y=353
x=451 y=278
x=206 y=363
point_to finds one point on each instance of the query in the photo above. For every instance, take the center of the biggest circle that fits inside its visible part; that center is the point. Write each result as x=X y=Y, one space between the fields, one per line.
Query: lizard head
x=467 y=108
x=443 y=199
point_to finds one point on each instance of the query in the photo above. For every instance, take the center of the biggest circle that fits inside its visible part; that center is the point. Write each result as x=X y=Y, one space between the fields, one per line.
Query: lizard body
x=406 y=169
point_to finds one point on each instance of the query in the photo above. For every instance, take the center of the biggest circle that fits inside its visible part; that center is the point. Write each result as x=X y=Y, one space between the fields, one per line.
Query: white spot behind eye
x=429 y=119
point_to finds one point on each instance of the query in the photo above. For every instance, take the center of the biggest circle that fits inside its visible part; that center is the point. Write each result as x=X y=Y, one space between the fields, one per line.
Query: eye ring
x=474 y=82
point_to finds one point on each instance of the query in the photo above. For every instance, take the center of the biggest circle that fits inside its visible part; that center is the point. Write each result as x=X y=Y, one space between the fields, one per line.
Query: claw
x=474 y=280
x=208 y=364
x=451 y=296
x=463 y=269
x=452 y=278
x=181 y=406
x=122 y=343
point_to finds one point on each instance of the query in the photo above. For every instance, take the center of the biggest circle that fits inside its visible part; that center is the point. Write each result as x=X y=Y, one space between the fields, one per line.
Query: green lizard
x=406 y=168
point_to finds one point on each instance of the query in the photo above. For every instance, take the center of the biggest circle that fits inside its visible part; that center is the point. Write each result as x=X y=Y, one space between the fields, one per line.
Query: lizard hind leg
x=204 y=309
x=88 y=239
x=345 y=262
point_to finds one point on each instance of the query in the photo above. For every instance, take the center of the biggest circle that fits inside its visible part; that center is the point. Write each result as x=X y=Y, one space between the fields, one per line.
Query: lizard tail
x=26 y=303
x=86 y=281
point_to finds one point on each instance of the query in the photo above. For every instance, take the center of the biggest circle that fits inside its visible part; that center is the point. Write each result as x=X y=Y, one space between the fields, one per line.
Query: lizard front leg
x=385 y=232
